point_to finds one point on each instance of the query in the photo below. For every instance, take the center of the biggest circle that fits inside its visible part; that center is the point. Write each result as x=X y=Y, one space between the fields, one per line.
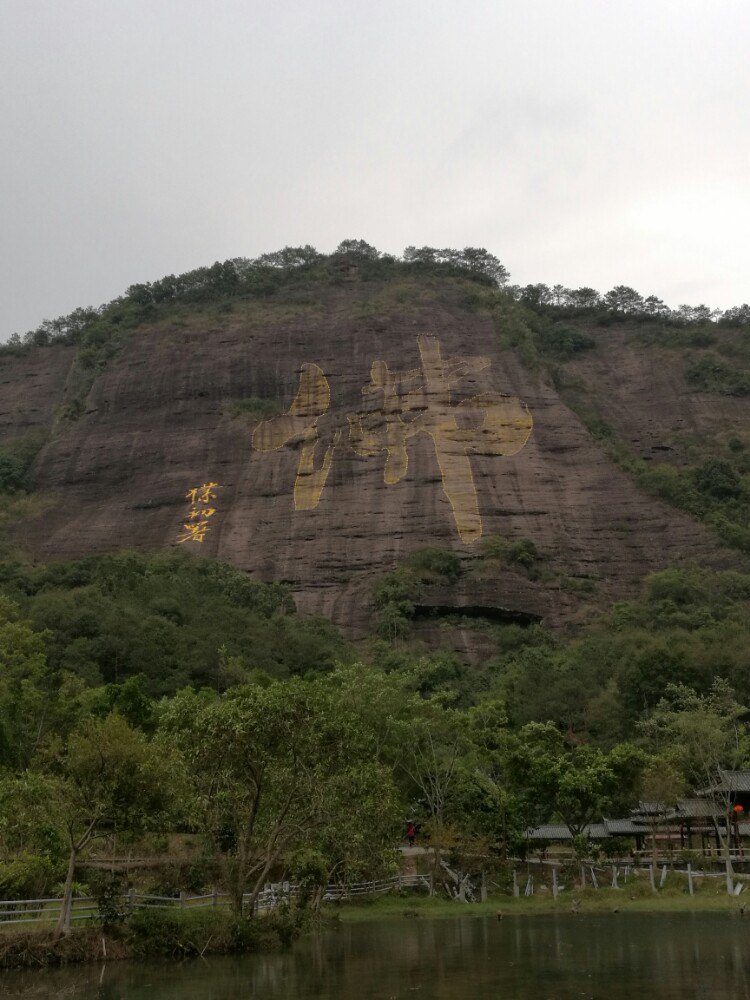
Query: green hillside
x=192 y=672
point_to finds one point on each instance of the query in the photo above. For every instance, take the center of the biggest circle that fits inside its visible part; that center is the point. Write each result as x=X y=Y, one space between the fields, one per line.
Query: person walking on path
x=411 y=832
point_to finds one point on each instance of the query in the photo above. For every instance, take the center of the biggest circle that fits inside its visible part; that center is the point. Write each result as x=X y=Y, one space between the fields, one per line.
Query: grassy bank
x=184 y=933
x=571 y=903
x=149 y=934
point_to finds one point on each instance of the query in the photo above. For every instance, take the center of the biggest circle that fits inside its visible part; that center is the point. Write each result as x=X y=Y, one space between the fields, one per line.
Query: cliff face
x=320 y=445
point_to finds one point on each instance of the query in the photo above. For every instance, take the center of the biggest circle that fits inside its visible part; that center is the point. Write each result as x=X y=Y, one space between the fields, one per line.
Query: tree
x=29 y=823
x=738 y=315
x=559 y=295
x=482 y=261
x=695 y=314
x=26 y=688
x=108 y=777
x=275 y=769
x=623 y=299
x=701 y=735
x=584 y=298
x=662 y=785
x=289 y=257
x=490 y=797
x=585 y=786
x=577 y=784
x=431 y=752
x=536 y=296
x=654 y=306
x=422 y=255
x=357 y=249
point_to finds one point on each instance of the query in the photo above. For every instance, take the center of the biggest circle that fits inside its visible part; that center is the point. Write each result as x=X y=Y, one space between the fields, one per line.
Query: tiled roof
x=622 y=827
x=594 y=831
x=694 y=809
x=729 y=782
x=734 y=781
x=550 y=831
x=650 y=809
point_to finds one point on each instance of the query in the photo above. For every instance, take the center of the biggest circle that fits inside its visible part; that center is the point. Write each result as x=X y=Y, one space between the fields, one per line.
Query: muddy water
x=610 y=957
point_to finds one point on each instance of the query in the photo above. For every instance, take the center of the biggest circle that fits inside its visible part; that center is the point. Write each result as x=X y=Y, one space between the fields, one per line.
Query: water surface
x=558 y=957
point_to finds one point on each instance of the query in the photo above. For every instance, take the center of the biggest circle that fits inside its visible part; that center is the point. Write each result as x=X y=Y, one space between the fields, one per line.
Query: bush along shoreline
x=181 y=934
x=154 y=933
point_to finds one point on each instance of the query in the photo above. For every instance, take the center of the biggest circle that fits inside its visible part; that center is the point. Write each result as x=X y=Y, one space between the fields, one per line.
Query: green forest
x=167 y=693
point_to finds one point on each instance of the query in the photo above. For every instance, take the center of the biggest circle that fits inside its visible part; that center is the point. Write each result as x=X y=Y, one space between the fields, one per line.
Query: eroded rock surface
x=162 y=418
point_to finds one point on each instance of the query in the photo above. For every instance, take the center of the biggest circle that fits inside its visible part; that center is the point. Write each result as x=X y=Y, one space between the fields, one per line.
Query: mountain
x=321 y=427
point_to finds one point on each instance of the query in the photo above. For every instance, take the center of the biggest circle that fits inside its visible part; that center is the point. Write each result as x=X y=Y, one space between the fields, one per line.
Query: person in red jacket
x=411 y=832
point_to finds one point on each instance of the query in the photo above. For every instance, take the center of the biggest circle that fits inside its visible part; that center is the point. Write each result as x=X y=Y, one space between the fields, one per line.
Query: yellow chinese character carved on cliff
x=301 y=420
x=201 y=494
x=195 y=531
x=200 y=511
x=397 y=407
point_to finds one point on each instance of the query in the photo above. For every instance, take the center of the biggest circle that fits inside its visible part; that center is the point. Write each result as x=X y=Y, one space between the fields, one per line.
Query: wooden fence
x=33 y=911
x=597 y=876
x=560 y=876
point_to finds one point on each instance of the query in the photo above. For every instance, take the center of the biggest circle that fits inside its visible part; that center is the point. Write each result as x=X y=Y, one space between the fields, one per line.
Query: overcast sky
x=582 y=141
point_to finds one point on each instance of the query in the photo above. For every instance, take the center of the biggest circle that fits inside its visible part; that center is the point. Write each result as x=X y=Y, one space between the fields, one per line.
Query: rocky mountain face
x=320 y=442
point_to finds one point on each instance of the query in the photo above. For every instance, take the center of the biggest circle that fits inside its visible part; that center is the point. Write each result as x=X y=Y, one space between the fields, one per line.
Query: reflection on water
x=558 y=957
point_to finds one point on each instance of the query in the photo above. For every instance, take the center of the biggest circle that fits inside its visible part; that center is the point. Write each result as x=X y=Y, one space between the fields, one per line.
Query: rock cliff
x=320 y=443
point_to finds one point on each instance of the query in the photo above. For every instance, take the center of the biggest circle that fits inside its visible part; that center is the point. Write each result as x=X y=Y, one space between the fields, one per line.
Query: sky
x=583 y=142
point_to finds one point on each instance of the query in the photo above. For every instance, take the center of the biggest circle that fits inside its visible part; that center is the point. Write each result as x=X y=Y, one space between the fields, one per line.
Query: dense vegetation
x=170 y=619
x=299 y=267
x=279 y=759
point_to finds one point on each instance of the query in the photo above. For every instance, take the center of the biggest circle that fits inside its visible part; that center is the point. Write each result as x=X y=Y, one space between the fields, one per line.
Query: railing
x=28 y=911
x=591 y=874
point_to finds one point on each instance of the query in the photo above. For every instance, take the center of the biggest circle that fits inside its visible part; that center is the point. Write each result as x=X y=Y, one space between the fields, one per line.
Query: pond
x=610 y=957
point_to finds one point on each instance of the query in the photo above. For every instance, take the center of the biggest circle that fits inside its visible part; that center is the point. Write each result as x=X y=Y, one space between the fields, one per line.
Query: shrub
x=28 y=876
x=254 y=408
x=430 y=563
x=15 y=462
x=616 y=847
x=710 y=373
x=394 y=595
x=564 y=342
x=176 y=933
x=108 y=891
x=522 y=553
x=172 y=932
x=717 y=478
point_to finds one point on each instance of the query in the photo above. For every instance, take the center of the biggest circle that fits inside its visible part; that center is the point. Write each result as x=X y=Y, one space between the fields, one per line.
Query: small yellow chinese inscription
x=197 y=525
